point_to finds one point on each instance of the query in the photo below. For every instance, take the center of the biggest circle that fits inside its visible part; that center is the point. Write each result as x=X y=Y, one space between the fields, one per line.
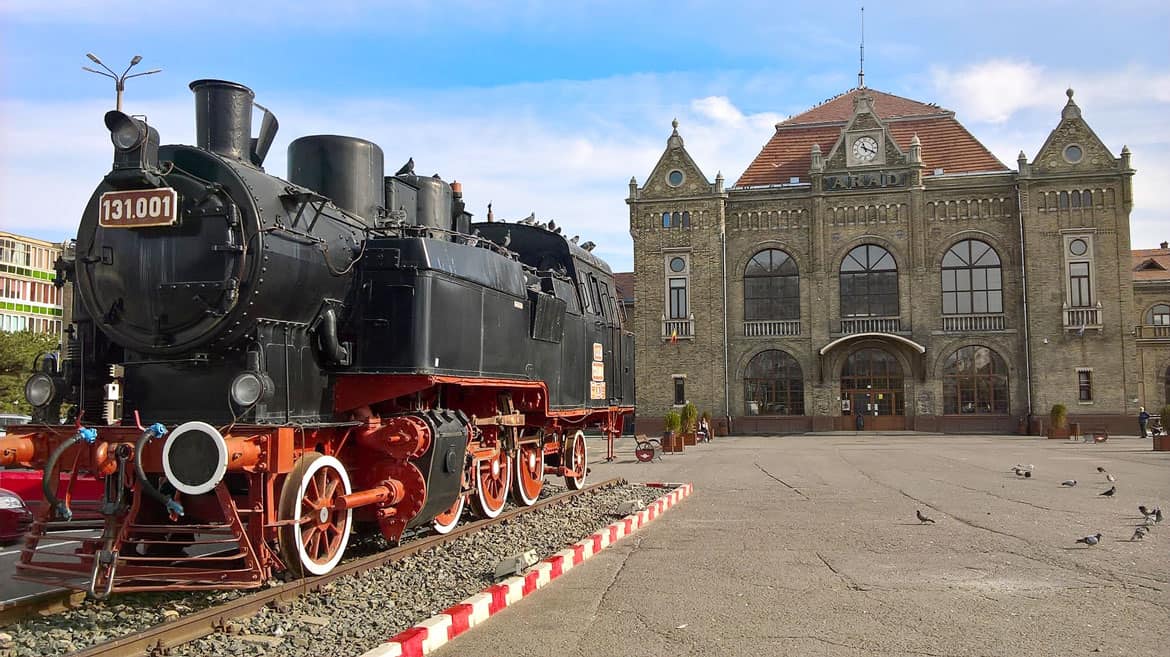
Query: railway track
x=161 y=638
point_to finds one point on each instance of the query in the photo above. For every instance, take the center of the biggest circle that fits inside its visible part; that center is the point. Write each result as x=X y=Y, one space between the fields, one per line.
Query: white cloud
x=992 y=91
x=1013 y=105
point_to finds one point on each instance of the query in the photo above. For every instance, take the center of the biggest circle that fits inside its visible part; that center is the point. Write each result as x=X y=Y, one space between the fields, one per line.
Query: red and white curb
x=436 y=631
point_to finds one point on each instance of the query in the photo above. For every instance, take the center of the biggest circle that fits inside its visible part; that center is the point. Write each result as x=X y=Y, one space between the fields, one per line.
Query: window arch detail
x=773 y=384
x=972 y=280
x=869 y=283
x=1158 y=315
x=771 y=287
x=975 y=381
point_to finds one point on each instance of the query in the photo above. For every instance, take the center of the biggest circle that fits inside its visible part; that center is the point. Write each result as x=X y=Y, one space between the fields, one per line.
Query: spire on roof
x=861 y=70
x=1071 y=111
x=675 y=141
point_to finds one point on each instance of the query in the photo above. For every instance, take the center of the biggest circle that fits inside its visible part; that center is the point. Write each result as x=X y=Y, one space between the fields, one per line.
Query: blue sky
x=552 y=106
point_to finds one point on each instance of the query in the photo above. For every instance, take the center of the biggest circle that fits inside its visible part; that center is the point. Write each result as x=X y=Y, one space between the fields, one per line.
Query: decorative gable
x=676 y=174
x=864 y=122
x=1073 y=147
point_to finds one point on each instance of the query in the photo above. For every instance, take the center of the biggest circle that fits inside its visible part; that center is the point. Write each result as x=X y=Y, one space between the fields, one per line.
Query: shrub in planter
x=671 y=424
x=1058 y=421
x=690 y=423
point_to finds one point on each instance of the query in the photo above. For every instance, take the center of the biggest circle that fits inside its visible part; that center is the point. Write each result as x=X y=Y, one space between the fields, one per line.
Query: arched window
x=971 y=279
x=666 y=220
x=1159 y=315
x=771 y=287
x=686 y=219
x=773 y=385
x=869 y=283
x=975 y=381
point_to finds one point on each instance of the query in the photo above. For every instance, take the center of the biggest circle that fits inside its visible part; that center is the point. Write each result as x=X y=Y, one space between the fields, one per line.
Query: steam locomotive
x=303 y=360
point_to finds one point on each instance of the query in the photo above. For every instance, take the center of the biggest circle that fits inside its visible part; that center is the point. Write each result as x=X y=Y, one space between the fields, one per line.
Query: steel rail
x=157 y=640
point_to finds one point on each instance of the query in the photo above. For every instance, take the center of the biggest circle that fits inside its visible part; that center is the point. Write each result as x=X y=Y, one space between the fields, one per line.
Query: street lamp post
x=119 y=80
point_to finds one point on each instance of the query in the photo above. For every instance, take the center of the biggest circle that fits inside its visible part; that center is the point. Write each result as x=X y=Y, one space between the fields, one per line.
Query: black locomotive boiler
x=303 y=359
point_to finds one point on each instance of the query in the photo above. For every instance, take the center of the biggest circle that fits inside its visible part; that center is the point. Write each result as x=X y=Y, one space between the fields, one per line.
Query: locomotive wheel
x=577 y=458
x=314 y=544
x=446 y=521
x=529 y=474
x=493 y=477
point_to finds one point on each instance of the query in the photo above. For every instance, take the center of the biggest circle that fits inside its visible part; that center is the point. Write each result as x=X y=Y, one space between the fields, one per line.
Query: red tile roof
x=1146 y=264
x=946 y=144
x=624 y=282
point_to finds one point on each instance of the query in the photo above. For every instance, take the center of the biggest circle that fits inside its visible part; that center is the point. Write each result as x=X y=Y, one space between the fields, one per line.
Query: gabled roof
x=1151 y=264
x=946 y=144
x=624 y=282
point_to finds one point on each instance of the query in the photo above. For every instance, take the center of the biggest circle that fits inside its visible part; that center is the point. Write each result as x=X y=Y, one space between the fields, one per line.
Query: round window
x=677 y=264
x=1078 y=247
x=1073 y=153
x=675 y=178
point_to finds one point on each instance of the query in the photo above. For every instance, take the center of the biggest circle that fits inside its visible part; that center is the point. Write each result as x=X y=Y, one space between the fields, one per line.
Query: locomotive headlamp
x=40 y=389
x=125 y=131
x=249 y=388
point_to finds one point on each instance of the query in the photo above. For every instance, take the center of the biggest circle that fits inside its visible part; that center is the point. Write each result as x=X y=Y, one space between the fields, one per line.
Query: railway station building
x=876 y=260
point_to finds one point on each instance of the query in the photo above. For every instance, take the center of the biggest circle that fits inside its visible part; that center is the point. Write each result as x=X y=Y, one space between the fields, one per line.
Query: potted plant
x=1058 y=422
x=690 y=423
x=671 y=439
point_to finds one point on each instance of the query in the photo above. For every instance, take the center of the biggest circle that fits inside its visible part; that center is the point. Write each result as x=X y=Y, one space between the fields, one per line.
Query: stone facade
x=1051 y=319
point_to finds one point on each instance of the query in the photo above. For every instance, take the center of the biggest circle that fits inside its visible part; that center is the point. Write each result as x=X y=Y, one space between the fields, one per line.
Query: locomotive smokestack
x=223 y=118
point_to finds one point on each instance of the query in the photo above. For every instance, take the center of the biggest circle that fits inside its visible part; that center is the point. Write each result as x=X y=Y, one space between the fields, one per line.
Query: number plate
x=139 y=207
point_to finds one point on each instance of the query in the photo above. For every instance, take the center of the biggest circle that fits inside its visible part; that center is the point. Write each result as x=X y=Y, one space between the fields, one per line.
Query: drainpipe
x=1023 y=164
x=726 y=374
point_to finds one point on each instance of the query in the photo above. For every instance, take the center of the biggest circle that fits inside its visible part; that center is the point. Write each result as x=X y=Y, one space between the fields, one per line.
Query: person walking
x=1143 y=419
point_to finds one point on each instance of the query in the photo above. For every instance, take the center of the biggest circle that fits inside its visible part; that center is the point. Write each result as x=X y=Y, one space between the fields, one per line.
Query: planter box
x=672 y=443
x=1162 y=443
x=689 y=439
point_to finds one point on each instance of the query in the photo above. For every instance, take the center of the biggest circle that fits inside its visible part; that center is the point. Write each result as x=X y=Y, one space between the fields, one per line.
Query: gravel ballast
x=349 y=615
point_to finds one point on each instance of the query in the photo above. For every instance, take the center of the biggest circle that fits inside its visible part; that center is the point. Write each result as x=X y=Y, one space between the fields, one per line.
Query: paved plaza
x=809 y=545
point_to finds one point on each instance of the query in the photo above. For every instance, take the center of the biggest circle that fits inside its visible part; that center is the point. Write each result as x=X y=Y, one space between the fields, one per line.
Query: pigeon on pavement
x=1138 y=534
x=1146 y=512
x=921 y=518
x=1158 y=514
x=1110 y=478
x=1090 y=540
x=1100 y=469
x=1069 y=482
x=1109 y=493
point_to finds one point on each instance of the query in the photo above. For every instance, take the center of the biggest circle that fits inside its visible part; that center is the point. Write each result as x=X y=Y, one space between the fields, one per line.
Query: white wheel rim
x=582 y=466
x=446 y=529
x=482 y=505
x=531 y=465
x=306 y=562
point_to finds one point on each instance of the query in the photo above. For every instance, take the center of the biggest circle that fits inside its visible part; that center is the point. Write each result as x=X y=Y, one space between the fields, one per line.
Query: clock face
x=865 y=149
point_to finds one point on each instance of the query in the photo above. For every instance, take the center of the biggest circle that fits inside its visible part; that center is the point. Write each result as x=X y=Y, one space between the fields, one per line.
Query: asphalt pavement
x=810 y=545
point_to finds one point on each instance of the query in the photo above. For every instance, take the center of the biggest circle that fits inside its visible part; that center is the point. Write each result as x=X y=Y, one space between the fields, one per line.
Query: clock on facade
x=865 y=149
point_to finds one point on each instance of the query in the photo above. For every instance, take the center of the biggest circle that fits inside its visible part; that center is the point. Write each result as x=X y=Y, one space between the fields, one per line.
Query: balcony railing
x=871 y=325
x=1152 y=332
x=771 y=328
x=1081 y=319
x=967 y=323
x=682 y=329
